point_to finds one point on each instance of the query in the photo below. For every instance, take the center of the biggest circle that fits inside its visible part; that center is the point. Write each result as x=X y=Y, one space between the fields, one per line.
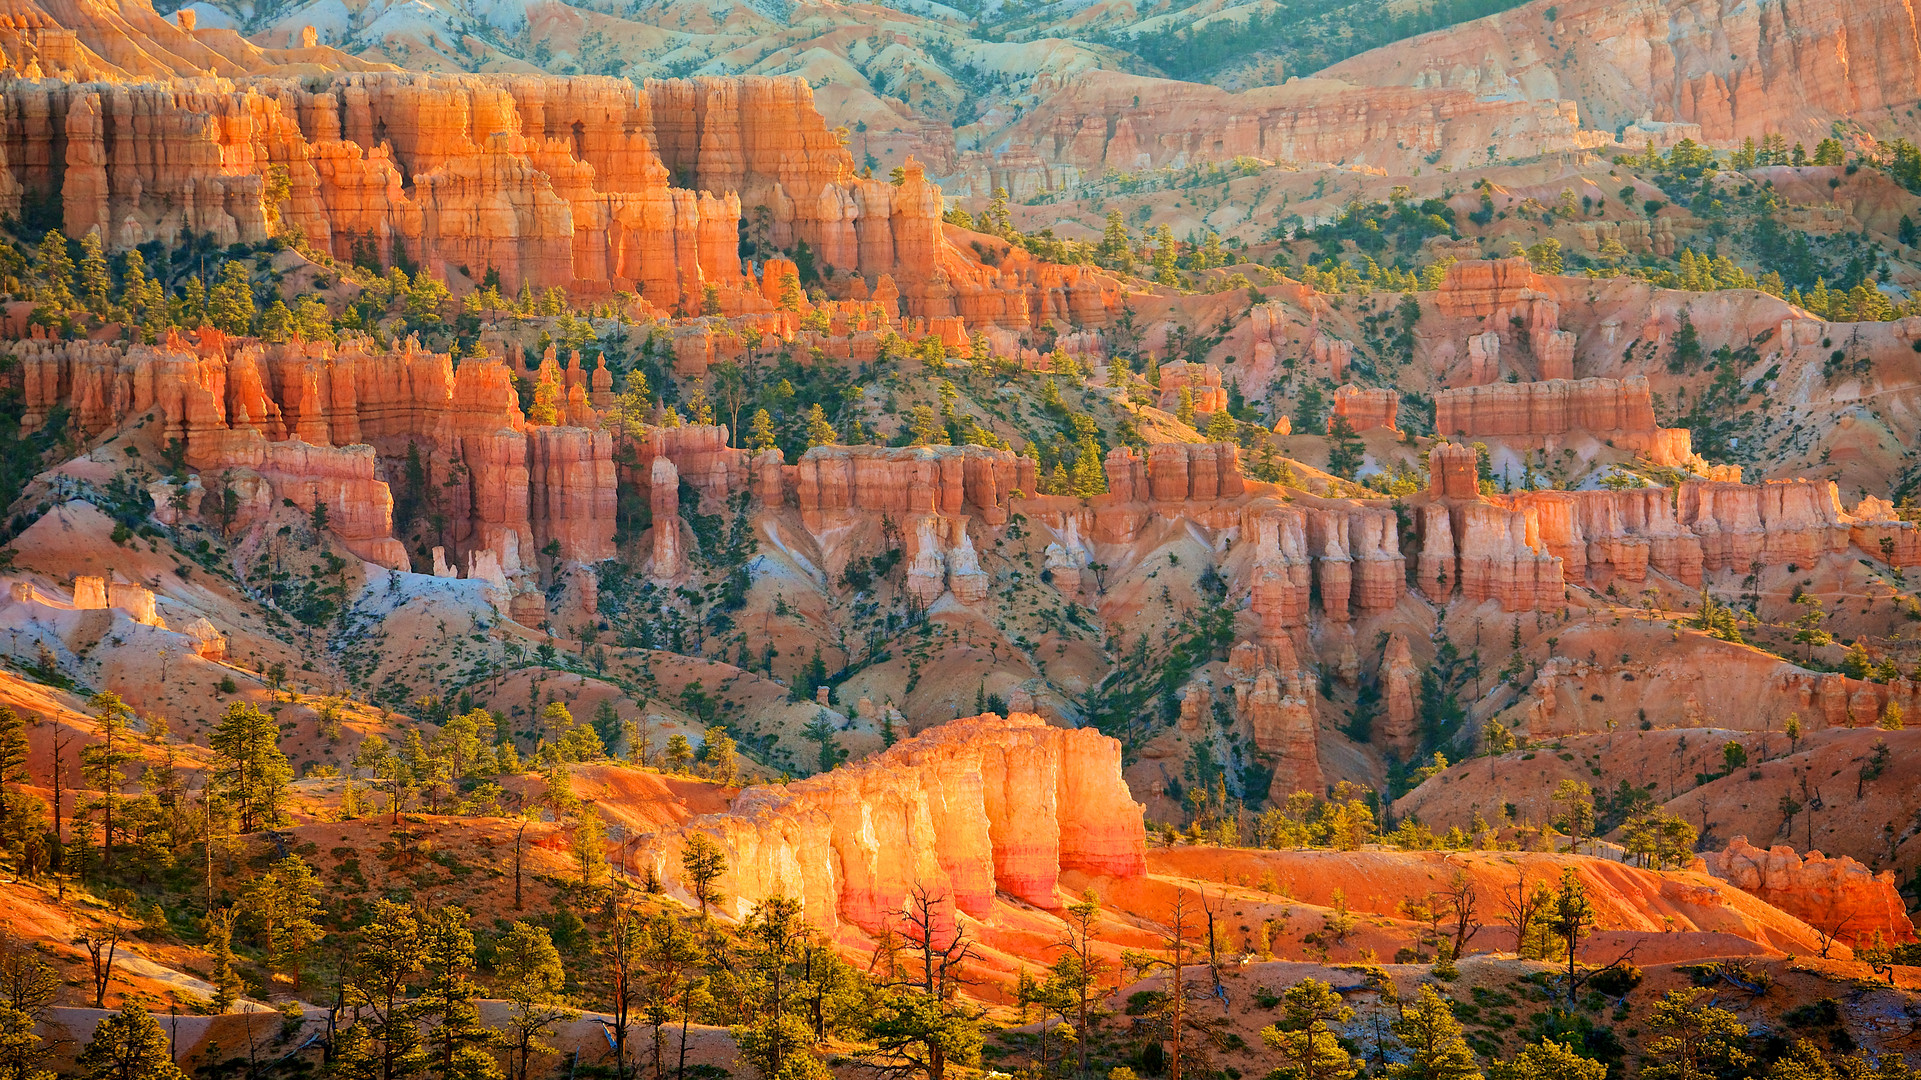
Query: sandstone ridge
x=973 y=808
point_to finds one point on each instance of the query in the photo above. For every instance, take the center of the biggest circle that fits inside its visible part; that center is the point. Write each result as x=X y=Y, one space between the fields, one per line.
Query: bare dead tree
x=1829 y=923
x=100 y=953
x=937 y=938
x=1521 y=907
x=1462 y=899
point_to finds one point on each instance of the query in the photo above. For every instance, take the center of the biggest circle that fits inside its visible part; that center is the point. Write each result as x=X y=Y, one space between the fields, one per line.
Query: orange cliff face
x=1099 y=121
x=588 y=184
x=972 y=808
x=313 y=420
x=1736 y=70
x=1836 y=896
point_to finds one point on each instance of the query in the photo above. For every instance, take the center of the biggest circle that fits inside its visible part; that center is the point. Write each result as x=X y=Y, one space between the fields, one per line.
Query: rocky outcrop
x=663 y=502
x=1274 y=700
x=966 y=810
x=1399 y=680
x=1778 y=522
x=1603 y=535
x=1349 y=553
x=1878 y=530
x=1836 y=896
x=1737 y=70
x=1481 y=288
x=1453 y=472
x=903 y=481
x=316 y=423
x=1095 y=121
x=549 y=182
x=1202 y=382
x=1619 y=411
x=1175 y=472
x=1365 y=408
x=1485 y=551
x=942 y=559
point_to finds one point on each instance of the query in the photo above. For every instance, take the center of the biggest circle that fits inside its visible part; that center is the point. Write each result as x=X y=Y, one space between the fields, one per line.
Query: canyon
x=755 y=479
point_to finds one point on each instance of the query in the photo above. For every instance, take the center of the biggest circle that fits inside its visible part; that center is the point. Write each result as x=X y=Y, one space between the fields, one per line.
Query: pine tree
x=249 y=770
x=777 y=1042
x=926 y=427
x=1116 y=250
x=13 y=775
x=193 y=303
x=1308 y=1046
x=457 y=1040
x=1436 y=1048
x=1695 y=1041
x=129 y=1045
x=1164 y=267
x=102 y=763
x=761 y=431
x=1220 y=426
x=230 y=306
x=1550 y=1060
x=96 y=280
x=819 y=431
x=276 y=323
x=703 y=861
x=385 y=1044
x=283 y=906
x=545 y=411
x=1345 y=451
x=532 y=979
x=54 y=267
x=1089 y=478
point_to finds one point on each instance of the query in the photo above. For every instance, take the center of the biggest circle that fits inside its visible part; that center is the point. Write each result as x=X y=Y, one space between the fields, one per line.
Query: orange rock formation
x=1364 y=408
x=1837 y=896
x=964 y=810
x=553 y=182
x=1694 y=62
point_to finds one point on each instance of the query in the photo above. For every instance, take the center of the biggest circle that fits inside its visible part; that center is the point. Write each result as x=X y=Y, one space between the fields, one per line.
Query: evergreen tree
x=1308 y=1047
x=719 y=758
x=761 y=431
x=533 y=980
x=102 y=763
x=96 y=280
x=1695 y=1041
x=1436 y=1048
x=276 y=323
x=129 y=1045
x=1090 y=478
x=457 y=1040
x=1164 y=267
x=193 y=303
x=54 y=267
x=14 y=775
x=1345 y=451
x=249 y=770
x=230 y=306
x=776 y=1041
x=1550 y=1060
x=385 y=1043
x=1220 y=426
x=545 y=410
x=703 y=861
x=283 y=905
x=1116 y=250
x=819 y=431
x=926 y=427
